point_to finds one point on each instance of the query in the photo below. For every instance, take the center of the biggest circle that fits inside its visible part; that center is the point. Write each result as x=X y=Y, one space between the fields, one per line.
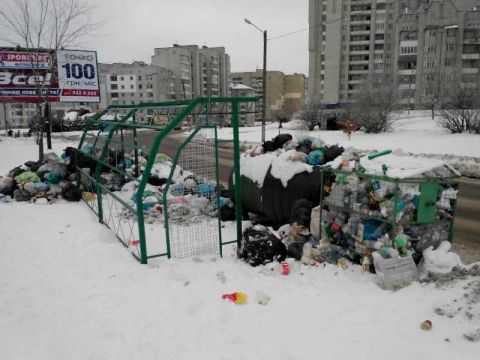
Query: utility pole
x=264 y=107
x=5 y=117
x=48 y=125
x=264 y=92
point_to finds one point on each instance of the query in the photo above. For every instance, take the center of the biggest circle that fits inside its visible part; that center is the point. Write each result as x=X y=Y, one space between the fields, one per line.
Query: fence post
x=236 y=167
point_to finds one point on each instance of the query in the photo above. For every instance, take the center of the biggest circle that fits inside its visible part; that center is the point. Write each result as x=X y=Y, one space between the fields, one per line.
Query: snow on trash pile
x=289 y=164
x=256 y=168
x=399 y=165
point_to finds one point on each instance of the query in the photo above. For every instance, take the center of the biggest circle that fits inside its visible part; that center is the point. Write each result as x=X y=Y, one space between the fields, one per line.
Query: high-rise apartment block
x=414 y=41
x=198 y=72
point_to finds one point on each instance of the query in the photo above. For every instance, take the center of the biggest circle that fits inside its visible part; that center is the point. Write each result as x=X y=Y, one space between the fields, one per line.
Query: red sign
x=67 y=75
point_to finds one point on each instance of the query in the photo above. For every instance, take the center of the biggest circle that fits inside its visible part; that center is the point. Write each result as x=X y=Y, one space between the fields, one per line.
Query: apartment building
x=197 y=71
x=19 y=115
x=410 y=40
x=285 y=93
x=247 y=113
x=126 y=84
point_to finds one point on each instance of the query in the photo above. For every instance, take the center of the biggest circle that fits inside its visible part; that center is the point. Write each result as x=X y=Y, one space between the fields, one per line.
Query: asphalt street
x=467 y=221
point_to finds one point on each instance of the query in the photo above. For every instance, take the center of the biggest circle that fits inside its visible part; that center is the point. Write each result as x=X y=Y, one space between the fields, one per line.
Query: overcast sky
x=133 y=28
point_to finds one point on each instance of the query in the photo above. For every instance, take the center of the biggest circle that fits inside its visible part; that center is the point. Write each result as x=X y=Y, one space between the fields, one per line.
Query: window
x=131 y=77
x=149 y=86
x=113 y=77
x=113 y=86
x=140 y=86
x=378 y=56
x=121 y=78
x=452 y=32
x=380 y=26
x=430 y=33
x=430 y=48
x=139 y=77
x=131 y=86
x=114 y=95
x=122 y=86
x=449 y=61
x=450 y=47
x=429 y=63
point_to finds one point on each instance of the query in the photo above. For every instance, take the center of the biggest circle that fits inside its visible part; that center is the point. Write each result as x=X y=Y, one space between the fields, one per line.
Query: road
x=467 y=221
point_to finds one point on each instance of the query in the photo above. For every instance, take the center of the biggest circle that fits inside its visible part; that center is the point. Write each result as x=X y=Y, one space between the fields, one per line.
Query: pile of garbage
x=190 y=197
x=40 y=182
x=367 y=214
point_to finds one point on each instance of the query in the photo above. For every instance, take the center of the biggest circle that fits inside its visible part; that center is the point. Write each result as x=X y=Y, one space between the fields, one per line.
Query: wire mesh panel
x=363 y=213
x=193 y=226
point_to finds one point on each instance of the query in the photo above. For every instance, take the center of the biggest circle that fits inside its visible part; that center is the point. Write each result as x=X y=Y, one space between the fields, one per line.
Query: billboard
x=62 y=76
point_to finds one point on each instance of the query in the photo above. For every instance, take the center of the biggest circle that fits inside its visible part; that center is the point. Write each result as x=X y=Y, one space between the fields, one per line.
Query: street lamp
x=264 y=97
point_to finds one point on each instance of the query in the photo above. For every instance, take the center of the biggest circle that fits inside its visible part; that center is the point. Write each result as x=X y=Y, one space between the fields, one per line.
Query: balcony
x=359 y=72
x=359 y=32
x=470 y=56
x=469 y=70
x=359 y=52
x=406 y=86
x=407 y=72
x=360 y=42
x=359 y=62
x=471 y=40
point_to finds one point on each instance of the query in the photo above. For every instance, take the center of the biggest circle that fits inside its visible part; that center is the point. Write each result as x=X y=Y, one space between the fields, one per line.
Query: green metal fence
x=115 y=156
x=422 y=208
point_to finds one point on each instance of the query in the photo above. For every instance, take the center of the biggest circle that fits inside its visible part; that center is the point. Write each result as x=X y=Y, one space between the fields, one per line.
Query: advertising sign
x=23 y=75
x=78 y=76
x=66 y=76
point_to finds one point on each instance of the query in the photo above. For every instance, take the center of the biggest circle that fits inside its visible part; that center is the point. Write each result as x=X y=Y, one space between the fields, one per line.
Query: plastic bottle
x=275 y=268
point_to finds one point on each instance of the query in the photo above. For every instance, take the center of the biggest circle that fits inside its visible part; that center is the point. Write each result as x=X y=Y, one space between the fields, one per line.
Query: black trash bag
x=227 y=213
x=259 y=246
x=15 y=172
x=71 y=192
x=156 y=181
x=268 y=146
x=33 y=165
x=21 y=195
x=295 y=250
x=332 y=152
x=280 y=140
x=301 y=213
x=82 y=161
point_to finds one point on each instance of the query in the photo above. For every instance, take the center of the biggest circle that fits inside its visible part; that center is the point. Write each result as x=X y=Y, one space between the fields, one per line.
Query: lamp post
x=264 y=95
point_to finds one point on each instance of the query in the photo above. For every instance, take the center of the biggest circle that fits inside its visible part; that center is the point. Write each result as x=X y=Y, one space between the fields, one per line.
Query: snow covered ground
x=415 y=132
x=69 y=289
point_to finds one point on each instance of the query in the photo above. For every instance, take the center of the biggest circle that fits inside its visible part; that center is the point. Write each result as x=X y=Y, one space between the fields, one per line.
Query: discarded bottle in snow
x=275 y=268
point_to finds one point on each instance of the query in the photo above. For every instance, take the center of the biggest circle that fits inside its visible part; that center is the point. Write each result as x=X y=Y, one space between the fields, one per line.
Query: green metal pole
x=394 y=212
x=236 y=167
x=147 y=173
x=135 y=142
x=217 y=174
x=321 y=204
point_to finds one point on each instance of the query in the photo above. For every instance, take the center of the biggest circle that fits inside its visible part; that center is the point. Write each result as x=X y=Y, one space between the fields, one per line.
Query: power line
x=324 y=23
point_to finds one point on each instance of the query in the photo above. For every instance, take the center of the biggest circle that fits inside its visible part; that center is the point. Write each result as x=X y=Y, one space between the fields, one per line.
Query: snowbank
x=440 y=260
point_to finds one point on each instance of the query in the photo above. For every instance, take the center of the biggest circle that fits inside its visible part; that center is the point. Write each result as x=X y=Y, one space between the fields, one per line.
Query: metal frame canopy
x=177 y=111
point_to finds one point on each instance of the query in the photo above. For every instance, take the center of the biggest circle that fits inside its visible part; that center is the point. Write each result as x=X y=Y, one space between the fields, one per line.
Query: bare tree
x=312 y=113
x=461 y=110
x=45 y=26
x=373 y=104
x=434 y=91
